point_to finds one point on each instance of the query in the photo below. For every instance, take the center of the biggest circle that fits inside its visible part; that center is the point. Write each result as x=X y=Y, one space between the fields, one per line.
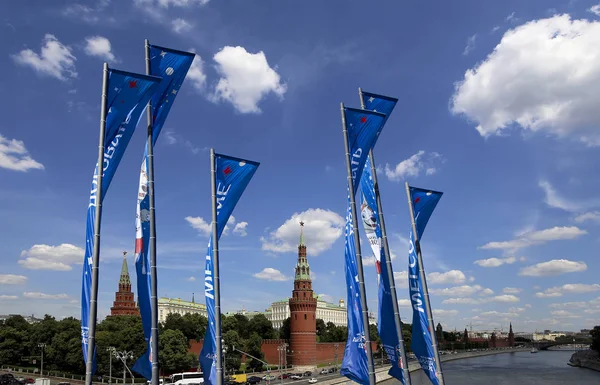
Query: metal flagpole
x=152 y=240
x=89 y=367
x=434 y=346
x=215 y=245
x=388 y=262
x=361 y=279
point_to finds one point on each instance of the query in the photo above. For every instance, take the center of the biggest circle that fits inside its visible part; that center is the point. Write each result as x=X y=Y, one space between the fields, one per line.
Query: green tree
x=229 y=323
x=233 y=357
x=595 y=333
x=174 y=356
x=64 y=351
x=242 y=325
x=321 y=329
x=284 y=331
x=260 y=325
x=253 y=347
x=13 y=343
x=373 y=333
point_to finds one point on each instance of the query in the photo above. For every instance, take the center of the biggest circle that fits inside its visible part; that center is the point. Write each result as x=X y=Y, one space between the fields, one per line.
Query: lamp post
x=42 y=346
x=124 y=356
x=336 y=346
x=224 y=351
x=282 y=349
x=110 y=351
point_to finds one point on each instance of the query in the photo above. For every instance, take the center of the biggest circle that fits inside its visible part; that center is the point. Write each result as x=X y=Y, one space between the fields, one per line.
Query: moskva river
x=523 y=368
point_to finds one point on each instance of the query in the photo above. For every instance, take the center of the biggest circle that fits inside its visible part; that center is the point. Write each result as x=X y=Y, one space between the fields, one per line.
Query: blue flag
x=424 y=202
x=355 y=363
x=386 y=325
x=128 y=94
x=172 y=66
x=363 y=130
x=233 y=175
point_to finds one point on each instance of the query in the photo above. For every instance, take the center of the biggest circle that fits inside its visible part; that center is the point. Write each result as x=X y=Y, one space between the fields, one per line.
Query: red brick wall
x=325 y=351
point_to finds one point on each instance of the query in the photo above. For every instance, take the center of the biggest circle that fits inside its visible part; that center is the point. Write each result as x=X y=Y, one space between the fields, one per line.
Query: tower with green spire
x=303 y=309
x=124 y=303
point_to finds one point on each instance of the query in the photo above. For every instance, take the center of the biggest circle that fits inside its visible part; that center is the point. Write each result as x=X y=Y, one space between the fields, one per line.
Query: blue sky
x=497 y=109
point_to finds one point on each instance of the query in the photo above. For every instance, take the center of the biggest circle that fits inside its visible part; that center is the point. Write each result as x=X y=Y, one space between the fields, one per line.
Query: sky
x=497 y=109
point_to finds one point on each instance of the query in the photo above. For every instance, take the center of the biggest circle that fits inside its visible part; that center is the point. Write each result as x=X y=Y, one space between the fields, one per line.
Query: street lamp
x=224 y=352
x=282 y=349
x=110 y=351
x=124 y=356
x=42 y=346
x=336 y=346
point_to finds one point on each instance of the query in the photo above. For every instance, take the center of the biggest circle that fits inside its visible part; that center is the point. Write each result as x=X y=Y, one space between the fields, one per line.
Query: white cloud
x=37 y=295
x=452 y=277
x=542 y=76
x=593 y=216
x=486 y=292
x=571 y=288
x=270 y=274
x=511 y=290
x=553 y=267
x=517 y=309
x=8 y=297
x=470 y=44
x=55 y=59
x=413 y=166
x=564 y=314
x=100 y=47
x=191 y=279
x=537 y=238
x=568 y=305
x=240 y=229
x=326 y=298
x=246 y=78
x=90 y=15
x=595 y=9
x=404 y=303
x=552 y=198
x=401 y=279
x=198 y=223
x=462 y=301
x=181 y=3
x=495 y=262
x=46 y=257
x=14 y=156
x=444 y=313
x=180 y=25
x=458 y=291
x=497 y=314
x=504 y=298
x=196 y=73
x=12 y=279
x=321 y=229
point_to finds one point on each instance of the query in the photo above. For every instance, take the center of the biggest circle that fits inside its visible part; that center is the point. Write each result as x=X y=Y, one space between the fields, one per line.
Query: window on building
x=296 y=316
x=305 y=316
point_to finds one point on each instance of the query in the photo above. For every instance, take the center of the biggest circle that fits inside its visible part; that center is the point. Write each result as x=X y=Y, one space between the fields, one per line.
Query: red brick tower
x=303 y=309
x=511 y=337
x=124 y=301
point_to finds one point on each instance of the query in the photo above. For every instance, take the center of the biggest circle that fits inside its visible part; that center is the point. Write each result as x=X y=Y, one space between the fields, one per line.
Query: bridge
x=553 y=345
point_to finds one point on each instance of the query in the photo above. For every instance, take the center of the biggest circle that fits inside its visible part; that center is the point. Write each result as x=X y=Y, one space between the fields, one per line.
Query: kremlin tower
x=124 y=303
x=303 y=309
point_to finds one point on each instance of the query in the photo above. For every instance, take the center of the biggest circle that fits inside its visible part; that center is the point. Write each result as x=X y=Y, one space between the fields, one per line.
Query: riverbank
x=414 y=367
x=587 y=359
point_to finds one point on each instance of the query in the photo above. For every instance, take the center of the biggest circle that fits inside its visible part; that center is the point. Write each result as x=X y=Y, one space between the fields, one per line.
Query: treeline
x=596 y=339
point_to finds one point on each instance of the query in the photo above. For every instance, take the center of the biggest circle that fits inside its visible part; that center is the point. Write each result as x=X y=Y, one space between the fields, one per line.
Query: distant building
x=167 y=306
x=29 y=318
x=328 y=312
x=124 y=303
x=244 y=312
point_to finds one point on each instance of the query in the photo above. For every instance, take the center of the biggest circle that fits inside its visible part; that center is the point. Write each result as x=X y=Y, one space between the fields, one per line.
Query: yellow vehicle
x=240 y=378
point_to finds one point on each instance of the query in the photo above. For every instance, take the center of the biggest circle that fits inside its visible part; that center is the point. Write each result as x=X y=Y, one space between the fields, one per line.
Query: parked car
x=324 y=371
x=307 y=374
x=312 y=380
x=253 y=380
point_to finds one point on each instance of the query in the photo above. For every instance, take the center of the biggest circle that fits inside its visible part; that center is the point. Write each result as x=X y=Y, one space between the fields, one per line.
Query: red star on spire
x=133 y=84
x=363 y=119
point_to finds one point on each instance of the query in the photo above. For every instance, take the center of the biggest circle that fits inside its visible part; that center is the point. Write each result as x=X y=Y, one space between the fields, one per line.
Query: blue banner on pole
x=424 y=202
x=386 y=325
x=233 y=175
x=128 y=94
x=172 y=66
x=363 y=130
x=355 y=363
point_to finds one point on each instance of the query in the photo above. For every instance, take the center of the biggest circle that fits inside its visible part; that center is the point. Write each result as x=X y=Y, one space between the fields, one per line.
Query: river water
x=523 y=368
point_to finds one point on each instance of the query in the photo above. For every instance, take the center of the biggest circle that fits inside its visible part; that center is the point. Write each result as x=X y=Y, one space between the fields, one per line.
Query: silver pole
x=152 y=240
x=388 y=263
x=110 y=350
x=434 y=346
x=361 y=280
x=42 y=346
x=96 y=253
x=215 y=242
